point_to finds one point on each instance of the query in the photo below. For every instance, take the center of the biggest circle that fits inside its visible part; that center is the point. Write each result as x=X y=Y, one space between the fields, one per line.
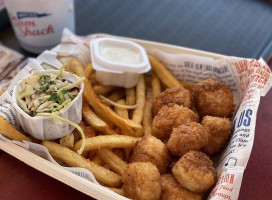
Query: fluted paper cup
x=45 y=128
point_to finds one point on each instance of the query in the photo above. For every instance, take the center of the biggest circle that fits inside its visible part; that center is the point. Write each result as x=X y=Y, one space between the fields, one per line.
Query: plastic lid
x=118 y=56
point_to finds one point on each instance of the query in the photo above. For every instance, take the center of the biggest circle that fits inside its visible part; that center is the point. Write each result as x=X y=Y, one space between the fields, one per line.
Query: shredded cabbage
x=119 y=105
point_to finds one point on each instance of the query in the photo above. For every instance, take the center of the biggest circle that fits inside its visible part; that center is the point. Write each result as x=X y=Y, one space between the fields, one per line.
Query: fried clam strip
x=131 y=127
x=93 y=120
x=168 y=79
x=116 y=164
x=107 y=141
x=7 y=130
x=140 y=101
x=71 y=158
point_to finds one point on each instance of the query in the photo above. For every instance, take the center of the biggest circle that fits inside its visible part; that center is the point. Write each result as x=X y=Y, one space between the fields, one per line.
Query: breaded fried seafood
x=151 y=149
x=142 y=181
x=213 y=98
x=171 y=190
x=219 y=130
x=195 y=172
x=178 y=95
x=192 y=136
x=170 y=117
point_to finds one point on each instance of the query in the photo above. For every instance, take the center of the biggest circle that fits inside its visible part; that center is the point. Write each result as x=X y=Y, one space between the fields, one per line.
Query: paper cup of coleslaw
x=46 y=127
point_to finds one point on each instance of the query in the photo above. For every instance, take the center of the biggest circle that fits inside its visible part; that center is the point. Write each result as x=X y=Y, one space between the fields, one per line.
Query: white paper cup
x=45 y=128
x=38 y=24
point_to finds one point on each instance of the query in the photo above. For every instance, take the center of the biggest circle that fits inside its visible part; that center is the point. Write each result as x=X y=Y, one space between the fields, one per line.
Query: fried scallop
x=192 y=136
x=151 y=149
x=142 y=181
x=170 y=117
x=219 y=130
x=195 y=171
x=178 y=95
x=171 y=190
x=213 y=98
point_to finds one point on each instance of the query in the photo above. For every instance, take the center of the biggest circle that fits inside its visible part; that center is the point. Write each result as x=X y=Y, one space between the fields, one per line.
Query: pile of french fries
x=111 y=132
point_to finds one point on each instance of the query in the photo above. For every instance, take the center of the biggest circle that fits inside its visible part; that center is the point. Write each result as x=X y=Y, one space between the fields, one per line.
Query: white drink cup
x=38 y=24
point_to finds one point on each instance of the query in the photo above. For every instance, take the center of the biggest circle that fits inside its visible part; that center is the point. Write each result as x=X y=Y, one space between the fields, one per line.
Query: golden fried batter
x=178 y=95
x=142 y=181
x=192 y=136
x=170 y=117
x=151 y=149
x=219 y=129
x=171 y=190
x=213 y=98
x=195 y=172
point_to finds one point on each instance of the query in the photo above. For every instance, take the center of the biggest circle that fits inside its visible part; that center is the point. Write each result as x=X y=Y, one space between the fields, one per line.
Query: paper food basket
x=248 y=79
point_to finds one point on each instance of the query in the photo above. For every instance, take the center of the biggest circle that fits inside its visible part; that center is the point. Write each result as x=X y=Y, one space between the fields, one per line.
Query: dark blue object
x=234 y=27
x=21 y=15
x=4 y=20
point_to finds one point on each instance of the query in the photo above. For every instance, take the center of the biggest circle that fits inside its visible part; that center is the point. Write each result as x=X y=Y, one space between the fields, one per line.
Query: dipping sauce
x=118 y=62
x=120 y=54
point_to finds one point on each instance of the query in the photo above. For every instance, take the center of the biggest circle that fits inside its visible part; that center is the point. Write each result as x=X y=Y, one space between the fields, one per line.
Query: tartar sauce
x=120 y=54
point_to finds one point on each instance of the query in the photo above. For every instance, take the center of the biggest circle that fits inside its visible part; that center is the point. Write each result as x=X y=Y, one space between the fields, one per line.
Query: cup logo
x=28 y=25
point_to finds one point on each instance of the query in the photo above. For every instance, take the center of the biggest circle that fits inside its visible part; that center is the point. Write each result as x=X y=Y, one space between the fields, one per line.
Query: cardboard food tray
x=85 y=186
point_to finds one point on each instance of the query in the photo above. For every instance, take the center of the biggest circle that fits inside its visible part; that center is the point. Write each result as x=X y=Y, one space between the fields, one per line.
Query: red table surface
x=19 y=181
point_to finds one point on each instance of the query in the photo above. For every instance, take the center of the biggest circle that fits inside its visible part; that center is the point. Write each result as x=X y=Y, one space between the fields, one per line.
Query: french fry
x=156 y=86
x=88 y=131
x=117 y=130
x=97 y=160
x=93 y=120
x=128 y=153
x=116 y=164
x=188 y=86
x=148 y=81
x=119 y=191
x=3 y=89
x=102 y=109
x=120 y=153
x=140 y=100
x=147 y=118
x=103 y=89
x=163 y=73
x=107 y=141
x=85 y=154
x=92 y=79
x=91 y=155
x=121 y=111
x=7 y=130
x=117 y=94
x=88 y=70
x=72 y=159
x=68 y=141
x=130 y=96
